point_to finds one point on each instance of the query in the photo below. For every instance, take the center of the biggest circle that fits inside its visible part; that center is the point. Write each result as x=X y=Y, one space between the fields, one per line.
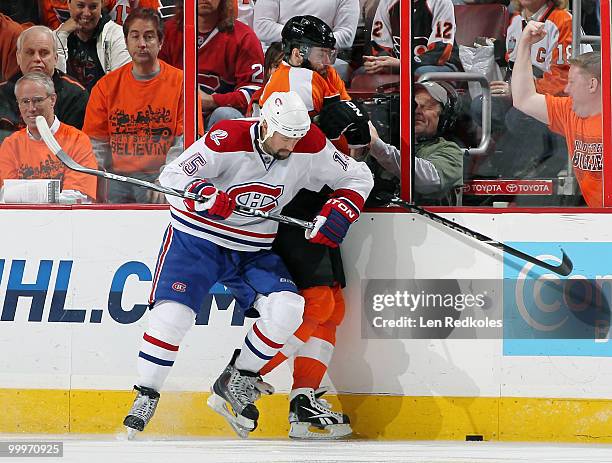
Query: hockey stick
x=54 y=146
x=564 y=268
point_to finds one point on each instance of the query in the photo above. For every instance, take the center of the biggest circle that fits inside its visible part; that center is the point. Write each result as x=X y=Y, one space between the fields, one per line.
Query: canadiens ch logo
x=257 y=195
x=217 y=136
x=180 y=287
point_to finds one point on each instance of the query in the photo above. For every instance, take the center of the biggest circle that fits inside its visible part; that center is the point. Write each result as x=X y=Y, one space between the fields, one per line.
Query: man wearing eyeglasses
x=36 y=52
x=24 y=155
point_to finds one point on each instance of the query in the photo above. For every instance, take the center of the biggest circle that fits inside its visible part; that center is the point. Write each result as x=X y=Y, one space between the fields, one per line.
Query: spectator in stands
x=135 y=114
x=438 y=163
x=89 y=43
x=272 y=60
x=24 y=155
x=36 y=53
x=577 y=118
x=9 y=31
x=434 y=27
x=56 y=12
x=530 y=148
x=341 y=15
x=230 y=59
x=23 y=11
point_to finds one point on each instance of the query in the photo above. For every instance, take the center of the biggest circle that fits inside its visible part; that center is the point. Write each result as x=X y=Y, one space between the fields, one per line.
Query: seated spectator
x=10 y=30
x=56 y=12
x=135 y=114
x=89 y=43
x=341 y=15
x=434 y=27
x=36 y=53
x=577 y=118
x=230 y=59
x=272 y=60
x=529 y=148
x=438 y=163
x=22 y=12
x=24 y=155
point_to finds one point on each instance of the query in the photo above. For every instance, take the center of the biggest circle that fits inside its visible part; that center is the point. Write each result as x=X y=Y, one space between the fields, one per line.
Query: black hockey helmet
x=305 y=32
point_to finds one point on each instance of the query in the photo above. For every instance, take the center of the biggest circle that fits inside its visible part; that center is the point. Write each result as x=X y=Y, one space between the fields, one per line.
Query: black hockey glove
x=347 y=118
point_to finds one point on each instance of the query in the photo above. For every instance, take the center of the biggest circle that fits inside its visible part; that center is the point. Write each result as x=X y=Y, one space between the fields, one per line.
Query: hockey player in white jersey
x=260 y=163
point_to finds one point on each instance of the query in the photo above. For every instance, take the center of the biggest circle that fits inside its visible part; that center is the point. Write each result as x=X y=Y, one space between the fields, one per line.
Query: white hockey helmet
x=285 y=113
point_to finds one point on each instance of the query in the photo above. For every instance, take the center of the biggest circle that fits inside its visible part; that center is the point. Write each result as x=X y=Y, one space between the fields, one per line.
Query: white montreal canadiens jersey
x=229 y=156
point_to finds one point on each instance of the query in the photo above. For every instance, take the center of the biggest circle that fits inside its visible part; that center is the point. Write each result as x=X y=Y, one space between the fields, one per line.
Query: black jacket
x=309 y=264
x=69 y=108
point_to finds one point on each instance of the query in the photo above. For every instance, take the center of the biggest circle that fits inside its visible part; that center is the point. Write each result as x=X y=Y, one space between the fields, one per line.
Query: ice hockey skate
x=233 y=394
x=311 y=417
x=142 y=410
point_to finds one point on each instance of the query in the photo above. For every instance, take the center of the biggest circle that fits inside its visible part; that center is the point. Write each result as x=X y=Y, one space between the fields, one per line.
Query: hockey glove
x=219 y=205
x=332 y=223
x=346 y=118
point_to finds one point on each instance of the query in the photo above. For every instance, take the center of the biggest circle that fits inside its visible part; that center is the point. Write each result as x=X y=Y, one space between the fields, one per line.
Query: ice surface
x=113 y=449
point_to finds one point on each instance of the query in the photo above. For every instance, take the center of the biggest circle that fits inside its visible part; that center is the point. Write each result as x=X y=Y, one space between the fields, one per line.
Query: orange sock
x=317 y=309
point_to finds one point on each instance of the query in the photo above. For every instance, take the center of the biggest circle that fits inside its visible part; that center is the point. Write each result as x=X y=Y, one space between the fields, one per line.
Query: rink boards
x=73 y=289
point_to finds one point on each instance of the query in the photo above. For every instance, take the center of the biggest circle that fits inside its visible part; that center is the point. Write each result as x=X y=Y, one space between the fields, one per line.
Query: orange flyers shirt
x=54 y=12
x=22 y=157
x=584 y=145
x=311 y=86
x=140 y=119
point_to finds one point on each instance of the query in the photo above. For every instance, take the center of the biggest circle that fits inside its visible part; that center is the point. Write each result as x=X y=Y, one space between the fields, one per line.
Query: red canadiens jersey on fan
x=230 y=64
x=231 y=158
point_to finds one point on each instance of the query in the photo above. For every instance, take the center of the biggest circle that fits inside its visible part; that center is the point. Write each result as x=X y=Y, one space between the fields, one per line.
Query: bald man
x=36 y=52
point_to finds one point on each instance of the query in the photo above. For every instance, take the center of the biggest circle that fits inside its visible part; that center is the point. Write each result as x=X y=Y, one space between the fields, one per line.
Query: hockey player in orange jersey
x=309 y=47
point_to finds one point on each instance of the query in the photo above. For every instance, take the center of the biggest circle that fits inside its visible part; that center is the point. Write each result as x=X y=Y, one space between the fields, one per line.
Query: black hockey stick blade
x=563 y=269
x=54 y=146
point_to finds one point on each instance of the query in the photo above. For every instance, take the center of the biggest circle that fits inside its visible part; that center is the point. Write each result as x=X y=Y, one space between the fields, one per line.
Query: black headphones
x=449 y=114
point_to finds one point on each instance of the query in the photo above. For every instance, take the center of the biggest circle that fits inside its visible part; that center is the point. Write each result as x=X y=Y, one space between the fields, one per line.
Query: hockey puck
x=474 y=437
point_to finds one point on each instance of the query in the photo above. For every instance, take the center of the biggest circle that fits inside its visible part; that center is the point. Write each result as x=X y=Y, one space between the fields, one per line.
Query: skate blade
x=309 y=432
x=131 y=433
x=219 y=405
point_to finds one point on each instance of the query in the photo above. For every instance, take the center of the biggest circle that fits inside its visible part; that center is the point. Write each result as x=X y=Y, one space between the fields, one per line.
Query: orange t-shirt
x=8 y=46
x=140 y=119
x=312 y=87
x=21 y=157
x=54 y=12
x=584 y=145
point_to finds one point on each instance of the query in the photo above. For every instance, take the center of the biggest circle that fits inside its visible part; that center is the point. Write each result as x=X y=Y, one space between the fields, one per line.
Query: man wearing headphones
x=438 y=163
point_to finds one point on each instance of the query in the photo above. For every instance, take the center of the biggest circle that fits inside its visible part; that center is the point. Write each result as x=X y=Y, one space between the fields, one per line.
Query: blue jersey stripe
x=255 y=351
x=220 y=235
x=150 y=358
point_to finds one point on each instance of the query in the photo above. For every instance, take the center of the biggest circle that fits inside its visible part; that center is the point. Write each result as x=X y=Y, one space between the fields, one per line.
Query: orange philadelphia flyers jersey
x=312 y=87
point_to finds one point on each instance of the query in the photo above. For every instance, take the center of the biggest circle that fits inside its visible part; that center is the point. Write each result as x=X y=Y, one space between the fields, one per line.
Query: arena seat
x=480 y=20
x=366 y=85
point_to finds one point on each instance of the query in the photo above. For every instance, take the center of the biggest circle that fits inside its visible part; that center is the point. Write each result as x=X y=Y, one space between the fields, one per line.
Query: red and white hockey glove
x=332 y=223
x=219 y=205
